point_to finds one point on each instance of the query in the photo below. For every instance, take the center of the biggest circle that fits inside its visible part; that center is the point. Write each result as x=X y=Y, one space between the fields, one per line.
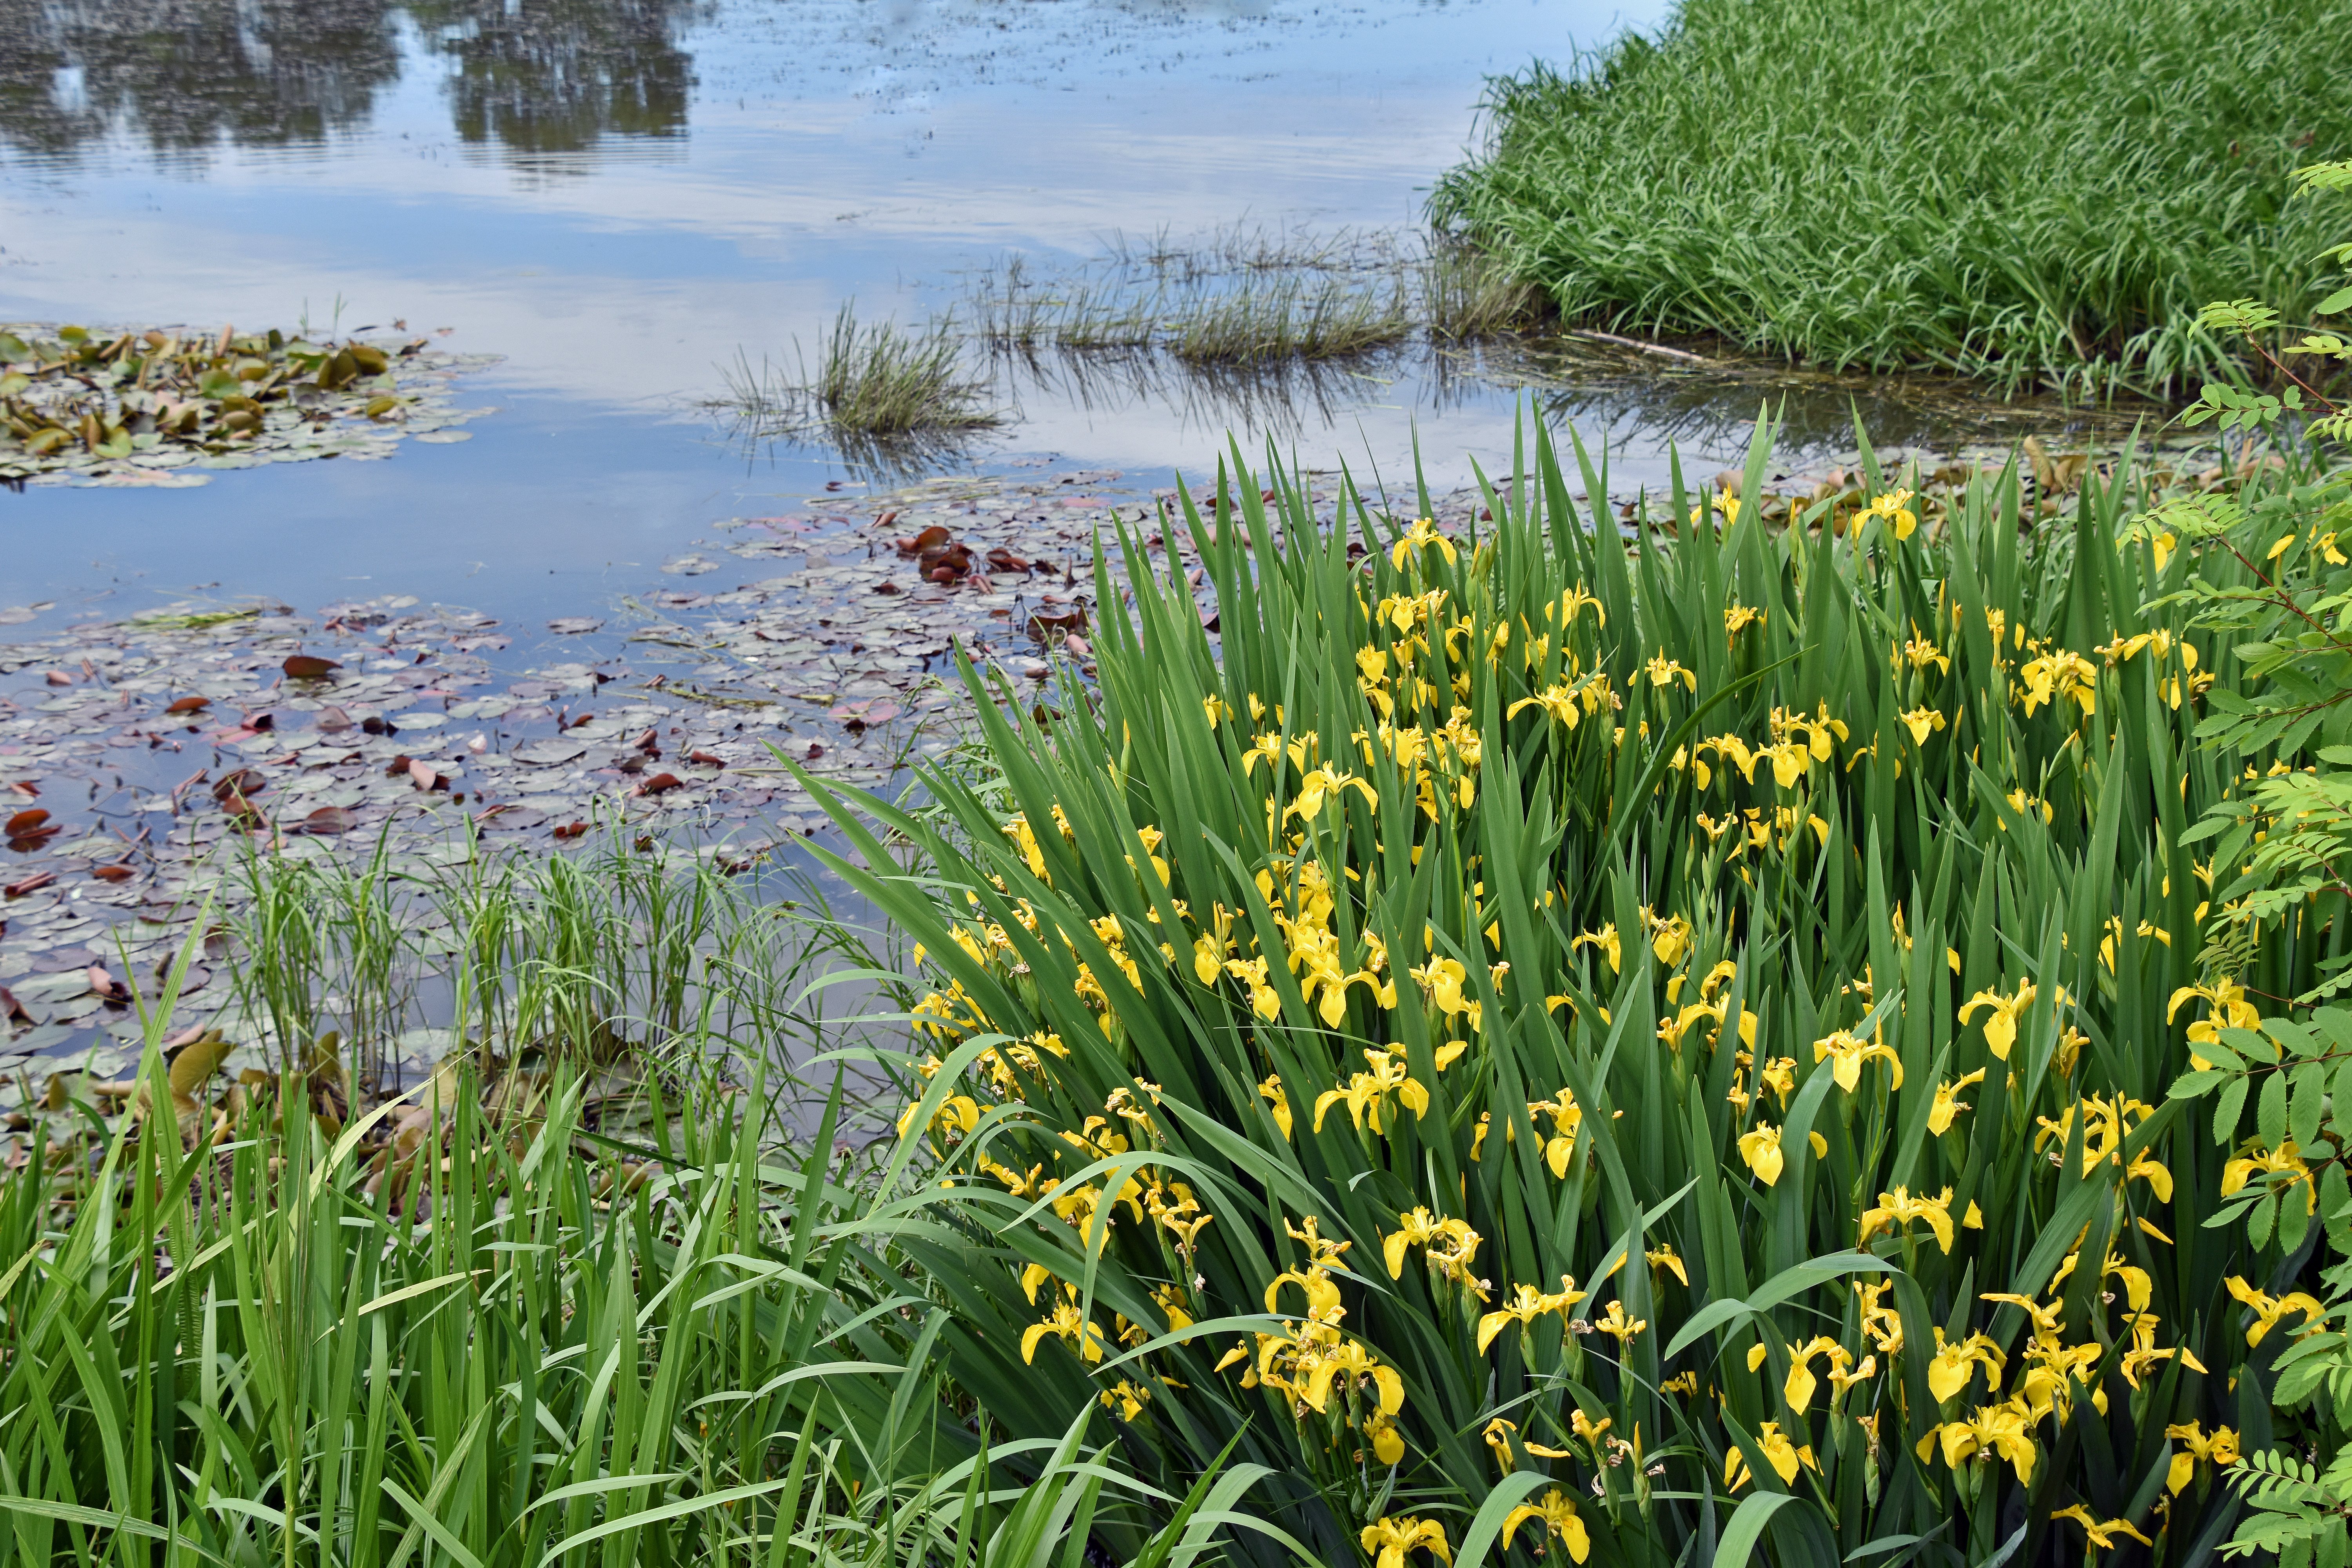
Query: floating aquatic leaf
x=126 y=409
x=308 y=666
x=872 y=711
x=573 y=625
x=199 y=1060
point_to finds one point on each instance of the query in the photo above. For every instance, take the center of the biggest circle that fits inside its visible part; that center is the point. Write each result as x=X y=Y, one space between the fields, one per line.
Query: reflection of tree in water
x=531 y=77
x=553 y=76
x=183 y=74
x=1711 y=406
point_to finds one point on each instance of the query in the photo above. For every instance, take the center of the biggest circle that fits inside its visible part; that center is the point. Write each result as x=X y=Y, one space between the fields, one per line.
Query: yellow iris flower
x=1922 y=723
x=1665 y=671
x=1271 y=1091
x=1557 y=1514
x=1779 y=1451
x=1798 y=1390
x=2001 y=1028
x=1605 y=939
x=1352 y=1362
x=1422 y=535
x=2003 y=1430
x=1526 y=1305
x=1948 y=1102
x=1323 y=783
x=1761 y=1147
x=1367 y=1093
x=1618 y=1326
x=1422 y=1228
x=1064 y=1323
x=1391 y=1541
x=2268 y=1309
x=1846 y=1052
x=1498 y=1434
x=1955 y=1364
x=2283 y=1161
x=1900 y=519
x=2100 y=1537
x=1899 y=1208
x=2219 y=1450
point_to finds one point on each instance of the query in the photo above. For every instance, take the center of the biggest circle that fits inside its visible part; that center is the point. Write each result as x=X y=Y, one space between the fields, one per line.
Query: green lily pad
x=89 y=407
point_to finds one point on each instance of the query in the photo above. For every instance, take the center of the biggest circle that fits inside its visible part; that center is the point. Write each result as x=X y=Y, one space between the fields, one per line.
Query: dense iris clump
x=1537 y=1037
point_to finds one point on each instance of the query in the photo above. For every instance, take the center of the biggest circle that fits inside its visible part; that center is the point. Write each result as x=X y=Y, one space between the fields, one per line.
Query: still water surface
x=620 y=196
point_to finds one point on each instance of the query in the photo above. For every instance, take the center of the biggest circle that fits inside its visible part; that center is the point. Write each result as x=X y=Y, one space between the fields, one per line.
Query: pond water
x=621 y=196
x=595 y=596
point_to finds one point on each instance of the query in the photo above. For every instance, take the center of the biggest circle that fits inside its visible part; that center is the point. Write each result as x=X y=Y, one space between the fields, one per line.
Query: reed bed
x=2038 y=193
x=1466 y=294
x=1286 y=319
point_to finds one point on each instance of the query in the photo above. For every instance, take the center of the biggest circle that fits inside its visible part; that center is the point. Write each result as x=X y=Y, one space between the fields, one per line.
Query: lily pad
x=149 y=407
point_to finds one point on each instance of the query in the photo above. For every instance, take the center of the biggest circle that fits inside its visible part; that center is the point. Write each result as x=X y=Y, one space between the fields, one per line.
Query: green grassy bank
x=2040 y=192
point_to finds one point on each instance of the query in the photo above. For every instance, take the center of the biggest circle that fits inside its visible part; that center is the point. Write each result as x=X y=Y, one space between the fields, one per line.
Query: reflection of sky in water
x=618 y=195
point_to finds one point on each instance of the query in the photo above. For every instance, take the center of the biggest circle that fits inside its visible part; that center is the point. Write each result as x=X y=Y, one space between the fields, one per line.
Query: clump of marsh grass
x=874 y=382
x=589 y=959
x=883 y=379
x=1200 y=317
x=1011 y=311
x=1466 y=294
x=1287 y=318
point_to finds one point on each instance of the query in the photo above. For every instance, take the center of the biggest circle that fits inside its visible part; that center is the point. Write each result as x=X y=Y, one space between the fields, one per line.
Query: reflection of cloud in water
x=1283 y=399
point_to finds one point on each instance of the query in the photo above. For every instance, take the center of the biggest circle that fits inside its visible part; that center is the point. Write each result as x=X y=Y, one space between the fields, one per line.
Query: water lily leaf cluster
x=159 y=405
